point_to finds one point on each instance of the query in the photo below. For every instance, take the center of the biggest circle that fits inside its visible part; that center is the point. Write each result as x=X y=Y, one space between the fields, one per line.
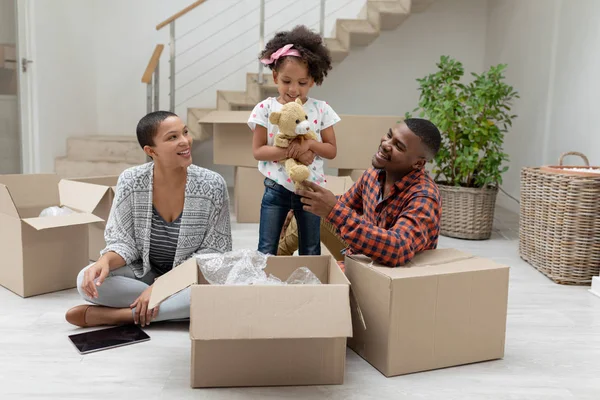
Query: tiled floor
x=552 y=348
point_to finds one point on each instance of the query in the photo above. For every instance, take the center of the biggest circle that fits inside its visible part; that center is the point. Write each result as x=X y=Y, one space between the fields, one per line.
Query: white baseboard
x=595 y=286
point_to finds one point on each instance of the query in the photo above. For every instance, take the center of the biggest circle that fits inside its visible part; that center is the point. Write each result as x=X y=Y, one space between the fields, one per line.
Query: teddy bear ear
x=274 y=117
x=298 y=100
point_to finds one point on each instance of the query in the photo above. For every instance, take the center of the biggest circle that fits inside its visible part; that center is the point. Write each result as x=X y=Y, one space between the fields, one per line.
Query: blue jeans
x=276 y=203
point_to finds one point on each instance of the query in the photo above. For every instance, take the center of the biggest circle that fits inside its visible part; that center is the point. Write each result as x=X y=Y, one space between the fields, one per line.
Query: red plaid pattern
x=391 y=231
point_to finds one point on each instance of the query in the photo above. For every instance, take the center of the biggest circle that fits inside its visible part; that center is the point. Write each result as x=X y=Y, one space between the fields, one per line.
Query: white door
x=10 y=144
x=27 y=95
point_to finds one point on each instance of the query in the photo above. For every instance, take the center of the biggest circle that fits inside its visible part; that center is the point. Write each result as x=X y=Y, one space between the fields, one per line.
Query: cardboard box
x=248 y=193
x=249 y=189
x=329 y=237
x=447 y=309
x=358 y=137
x=264 y=335
x=232 y=138
x=354 y=174
x=41 y=255
x=97 y=195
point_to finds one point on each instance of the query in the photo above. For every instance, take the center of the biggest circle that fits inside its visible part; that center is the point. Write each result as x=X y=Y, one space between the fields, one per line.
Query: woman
x=163 y=213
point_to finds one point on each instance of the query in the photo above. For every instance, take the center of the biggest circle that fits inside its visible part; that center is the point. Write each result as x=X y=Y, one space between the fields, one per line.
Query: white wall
x=65 y=62
x=205 y=63
x=381 y=79
x=550 y=48
x=91 y=55
x=7 y=21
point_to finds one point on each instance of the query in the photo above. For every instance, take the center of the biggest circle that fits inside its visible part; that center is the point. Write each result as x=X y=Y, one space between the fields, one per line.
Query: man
x=393 y=211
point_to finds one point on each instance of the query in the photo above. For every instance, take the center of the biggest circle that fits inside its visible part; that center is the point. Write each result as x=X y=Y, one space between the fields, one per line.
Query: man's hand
x=99 y=270
x=298 y=147
x=142 y=314
x=319 y=202
x=307 y=158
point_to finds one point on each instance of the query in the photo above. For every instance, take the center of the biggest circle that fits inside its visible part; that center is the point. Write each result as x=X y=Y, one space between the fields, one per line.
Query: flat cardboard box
x=265 y=335
x=446 y=308
x=41 y=254
x=247 y=193
x=99 y=193
x=358 y=137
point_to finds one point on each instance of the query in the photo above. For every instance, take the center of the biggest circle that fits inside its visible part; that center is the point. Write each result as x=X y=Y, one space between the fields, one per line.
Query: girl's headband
x=282 y=52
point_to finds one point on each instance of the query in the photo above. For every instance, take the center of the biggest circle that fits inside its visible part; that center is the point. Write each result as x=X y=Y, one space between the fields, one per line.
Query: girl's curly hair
x=310 y=46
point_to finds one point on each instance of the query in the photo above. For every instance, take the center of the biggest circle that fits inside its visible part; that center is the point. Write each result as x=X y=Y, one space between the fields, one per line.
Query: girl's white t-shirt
x=320 y=115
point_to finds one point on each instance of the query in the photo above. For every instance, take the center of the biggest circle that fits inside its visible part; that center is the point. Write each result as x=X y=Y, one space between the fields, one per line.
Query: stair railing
x=152 y=78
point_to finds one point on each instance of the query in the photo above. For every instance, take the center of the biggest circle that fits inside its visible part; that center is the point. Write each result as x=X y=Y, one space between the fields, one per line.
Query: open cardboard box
x=95 y=195
x=265 y=335
x=41 y=254
x=448 y=308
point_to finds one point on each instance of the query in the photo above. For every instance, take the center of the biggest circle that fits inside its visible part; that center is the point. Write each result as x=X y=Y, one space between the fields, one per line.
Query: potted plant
x=472 y=118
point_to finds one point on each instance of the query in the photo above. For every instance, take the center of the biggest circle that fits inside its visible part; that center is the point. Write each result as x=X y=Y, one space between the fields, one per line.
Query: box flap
x=32 y=191
x=7 y=206
x=438 y=256
x=338 y=184
x=174 y=281
x=225 y=117
x=41 y=223
x=268 y=312
x=81 y=196
x=105 y=180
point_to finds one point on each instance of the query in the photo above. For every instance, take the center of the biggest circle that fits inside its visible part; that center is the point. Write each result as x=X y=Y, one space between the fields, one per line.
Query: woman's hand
x=307 y=158
x=100 y=271
x=142 y=314
x=298 y=147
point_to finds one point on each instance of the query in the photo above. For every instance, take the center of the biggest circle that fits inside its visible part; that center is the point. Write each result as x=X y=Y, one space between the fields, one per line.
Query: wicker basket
x=559 y=231
x=467 y=213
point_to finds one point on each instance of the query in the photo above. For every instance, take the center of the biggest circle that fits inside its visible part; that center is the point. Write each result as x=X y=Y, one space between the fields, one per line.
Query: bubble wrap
x=246 y=267
x=56 y=211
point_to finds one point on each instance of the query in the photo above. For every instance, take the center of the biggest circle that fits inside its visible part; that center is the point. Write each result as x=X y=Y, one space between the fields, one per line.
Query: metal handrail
x=151 y=79
x=261 y=43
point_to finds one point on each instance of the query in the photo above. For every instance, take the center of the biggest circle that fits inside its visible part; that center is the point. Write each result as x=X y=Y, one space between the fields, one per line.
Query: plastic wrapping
x=303 y=276
x=246 y=267
x=56 y=211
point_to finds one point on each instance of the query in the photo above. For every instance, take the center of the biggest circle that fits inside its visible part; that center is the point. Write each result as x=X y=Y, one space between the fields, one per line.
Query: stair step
x=355 y=32
x=336 y=49
x=105 y=148
x=256 y=91
x=199 y=132
x=69 y=168
x=235 y=101
x=387 y=15
x=418 y=6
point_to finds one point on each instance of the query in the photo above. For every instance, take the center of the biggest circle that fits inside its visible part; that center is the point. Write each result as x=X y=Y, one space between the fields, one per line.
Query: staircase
x=110 y=155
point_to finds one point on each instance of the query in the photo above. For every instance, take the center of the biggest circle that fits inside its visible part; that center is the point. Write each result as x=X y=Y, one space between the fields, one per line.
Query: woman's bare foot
x=89 y=315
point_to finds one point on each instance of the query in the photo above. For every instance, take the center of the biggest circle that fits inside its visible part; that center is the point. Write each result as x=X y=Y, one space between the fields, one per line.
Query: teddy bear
x=293 y=123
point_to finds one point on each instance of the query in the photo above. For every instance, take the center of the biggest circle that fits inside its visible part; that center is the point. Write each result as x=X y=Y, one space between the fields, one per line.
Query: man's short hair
x=429 y=134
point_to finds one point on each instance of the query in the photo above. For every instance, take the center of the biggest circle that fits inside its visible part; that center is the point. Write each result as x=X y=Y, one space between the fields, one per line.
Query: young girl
x=298 y=59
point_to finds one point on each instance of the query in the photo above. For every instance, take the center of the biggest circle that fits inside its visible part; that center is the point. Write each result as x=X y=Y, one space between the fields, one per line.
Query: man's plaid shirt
x=391 y=230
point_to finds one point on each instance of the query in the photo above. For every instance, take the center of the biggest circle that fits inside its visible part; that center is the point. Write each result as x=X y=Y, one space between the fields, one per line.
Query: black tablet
x=108 y=338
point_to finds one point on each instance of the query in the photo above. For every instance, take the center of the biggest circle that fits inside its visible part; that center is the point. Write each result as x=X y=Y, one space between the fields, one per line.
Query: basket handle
x=574 y=153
